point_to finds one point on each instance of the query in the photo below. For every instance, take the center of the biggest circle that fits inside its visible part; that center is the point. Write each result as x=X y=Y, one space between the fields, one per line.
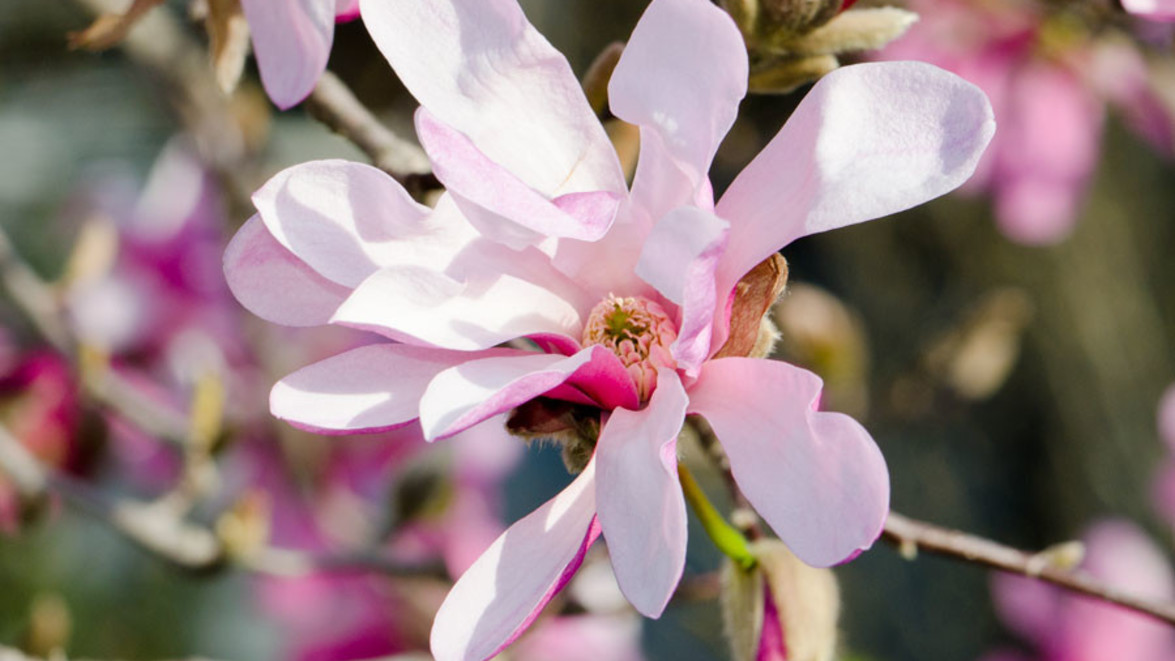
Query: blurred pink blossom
x=39 y=406
x=292 y=41
x=1154 y=10
x=1049 y=84
x=1164 y=487
x=626 y=294
x=1065 y=627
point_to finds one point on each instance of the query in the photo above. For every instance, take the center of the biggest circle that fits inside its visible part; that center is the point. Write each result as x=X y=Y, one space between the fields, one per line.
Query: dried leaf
x=753 y=297
x=228 y=36
x=109 y=29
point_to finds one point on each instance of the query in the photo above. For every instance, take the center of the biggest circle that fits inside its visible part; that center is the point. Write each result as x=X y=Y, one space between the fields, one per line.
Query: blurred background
x=1010 y=361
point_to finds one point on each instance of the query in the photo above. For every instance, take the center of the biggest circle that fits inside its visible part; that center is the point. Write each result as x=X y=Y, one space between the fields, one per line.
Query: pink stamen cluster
x=637 y=330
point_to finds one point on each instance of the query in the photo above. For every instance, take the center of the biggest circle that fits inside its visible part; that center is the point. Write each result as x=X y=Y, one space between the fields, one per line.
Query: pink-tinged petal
x=1027 y=606
x=588 y=637
x=1049 y=151
x=480 y=67
x=466 y=394
x=373 y=387
x=504 y=591
x=1120 y=554
x=274 y=284
x=346 y=10
x=417 y=304
x=291 y=41
x=817 y=478
x=641 y=508
x=1166 y=418
x=1119 y=72
x=1155 y=10
x=497 y=197
x=346 y=220
x=679 y=259
x=868 y=140
x=681 y=77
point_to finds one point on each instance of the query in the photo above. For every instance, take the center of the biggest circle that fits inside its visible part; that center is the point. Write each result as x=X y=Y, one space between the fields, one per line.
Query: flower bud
x=781 y=609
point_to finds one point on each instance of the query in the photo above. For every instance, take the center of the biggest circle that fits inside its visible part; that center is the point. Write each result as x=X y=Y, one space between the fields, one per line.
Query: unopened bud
x=806 y=605
x=798 y=16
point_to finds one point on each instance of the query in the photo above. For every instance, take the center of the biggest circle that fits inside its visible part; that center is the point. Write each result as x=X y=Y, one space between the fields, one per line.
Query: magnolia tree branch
x=912 y=536
x=11 y=654
x=160 y=527
x=333 y=104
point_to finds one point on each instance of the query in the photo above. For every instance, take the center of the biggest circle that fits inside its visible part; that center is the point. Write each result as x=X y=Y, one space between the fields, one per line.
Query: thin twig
x=12 y=654
x=33 y=295
x=333 y=104
x=911 y=536
x=160 y=528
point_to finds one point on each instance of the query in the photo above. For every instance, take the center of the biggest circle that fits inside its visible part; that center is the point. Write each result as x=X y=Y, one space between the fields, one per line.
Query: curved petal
x=1155 y=10
x=467 y=172
x=817 y=478
x=504 y=591
x=346 y=220
x=679 y=259
x=868 y=140
x=641 y=508
x=346 y=10
x=681 y=76
x=291 y=41
x=417 y=304
x=480 y=67
x=274 y=284
x=373 y=387
x=463 y=396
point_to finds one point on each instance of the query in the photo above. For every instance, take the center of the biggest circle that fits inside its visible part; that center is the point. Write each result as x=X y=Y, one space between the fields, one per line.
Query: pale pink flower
x=1154 y=10
x=539 y=237
x=1164 y=487
x=1068 y=627
x=292 y=41
x=1049 y=96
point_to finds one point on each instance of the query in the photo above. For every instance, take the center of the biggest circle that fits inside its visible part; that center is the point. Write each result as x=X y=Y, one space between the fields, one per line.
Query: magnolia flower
x=291 y=41
x=1155 y=10
x=1050 y=79
x=1067 y=627
x=625 y=295
x=1164 y=487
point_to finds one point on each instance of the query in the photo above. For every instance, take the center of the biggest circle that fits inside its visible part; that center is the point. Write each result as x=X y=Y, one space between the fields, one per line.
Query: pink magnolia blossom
x=1067 y=627
x=626 y=295
x=39 y=406
x=1049 y=94
x=291 y=41
x=1155 y=10
x=1164 y=488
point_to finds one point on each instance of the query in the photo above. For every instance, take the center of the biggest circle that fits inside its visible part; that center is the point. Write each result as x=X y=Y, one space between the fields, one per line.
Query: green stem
x=728 y=539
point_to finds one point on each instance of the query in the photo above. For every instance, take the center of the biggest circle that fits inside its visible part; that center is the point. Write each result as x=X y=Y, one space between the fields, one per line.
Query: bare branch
x=161 y=529
x=333 y=104
x=911 y=536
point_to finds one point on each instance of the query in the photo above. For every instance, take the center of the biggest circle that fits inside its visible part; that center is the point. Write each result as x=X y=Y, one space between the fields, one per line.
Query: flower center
x=638 y=331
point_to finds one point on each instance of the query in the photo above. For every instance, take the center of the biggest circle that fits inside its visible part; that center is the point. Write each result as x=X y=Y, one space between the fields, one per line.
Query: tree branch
x=911 y=536
x=333 y=104
x=161 y=529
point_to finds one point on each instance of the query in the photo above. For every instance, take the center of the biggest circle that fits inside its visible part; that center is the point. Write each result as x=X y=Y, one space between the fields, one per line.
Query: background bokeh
x=1029 y=455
